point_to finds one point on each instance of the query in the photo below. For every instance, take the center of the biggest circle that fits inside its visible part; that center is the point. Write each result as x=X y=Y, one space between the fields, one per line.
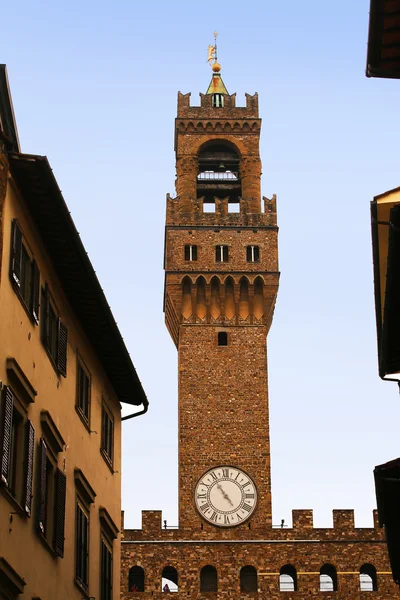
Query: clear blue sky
x=94 y=86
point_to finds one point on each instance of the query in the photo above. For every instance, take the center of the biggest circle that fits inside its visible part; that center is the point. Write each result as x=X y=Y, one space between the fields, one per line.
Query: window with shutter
x=24 y=272
x=7 y=434
x=83 y=391
x=30 y=440
x=107 y=437
x=82 y=546
x=105 y=570
x=59 y=512
x=43 y=492
x=17 y=450
x=54 y=333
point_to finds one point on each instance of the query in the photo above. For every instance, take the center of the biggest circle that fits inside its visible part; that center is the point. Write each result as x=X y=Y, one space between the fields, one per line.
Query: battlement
x=302 y=529
x=190 y=211
x=206 y=109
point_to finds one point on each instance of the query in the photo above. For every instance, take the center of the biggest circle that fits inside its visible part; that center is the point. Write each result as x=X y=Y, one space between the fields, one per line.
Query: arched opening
x=201 y=308
x=288 y=579
x=186 y=298
x=169 y=579
x=215 y=308
x=230 y=309
x=327 y=578
x=208 y=579
x=218 y=172
x=248 y=579
x=368 y=579
x=136 y=579
x=258 y=308
x=244 y=298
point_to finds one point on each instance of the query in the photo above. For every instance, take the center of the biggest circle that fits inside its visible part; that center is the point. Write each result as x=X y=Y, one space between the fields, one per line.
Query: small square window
x=222 y=338
x=253 y=253
x=221 y=254
x=190 y=252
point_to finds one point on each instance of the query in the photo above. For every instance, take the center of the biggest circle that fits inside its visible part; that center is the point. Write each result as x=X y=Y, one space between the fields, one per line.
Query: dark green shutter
x=7 y=429
x=194 y=252
x=45 y=316
x=30 y=441
x=35 y=291
x=62 y=348
x=59 y=512
x=256 y=254
x=43 y=486
x=248 y=252
x=16 y=249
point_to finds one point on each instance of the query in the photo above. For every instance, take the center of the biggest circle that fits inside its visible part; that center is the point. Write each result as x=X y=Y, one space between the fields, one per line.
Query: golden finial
x=212 y=55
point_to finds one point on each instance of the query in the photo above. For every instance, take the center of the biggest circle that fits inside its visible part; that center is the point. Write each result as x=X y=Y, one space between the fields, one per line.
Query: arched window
x=288 y=579
x=136 y=579
x=248 y=579
x=327 y=578
x=169 y=579
x=368 y=579
x=208 y=579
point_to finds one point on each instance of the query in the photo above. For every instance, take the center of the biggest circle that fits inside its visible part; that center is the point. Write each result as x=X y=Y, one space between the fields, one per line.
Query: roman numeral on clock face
x=225 y=472
x=205 y=495
x=204 y=507
x=213 y=475
x=247 y=496
x=246 y=507
x=214 y=517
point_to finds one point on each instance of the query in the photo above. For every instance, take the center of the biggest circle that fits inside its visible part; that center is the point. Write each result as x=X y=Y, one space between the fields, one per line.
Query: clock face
x=225 y=496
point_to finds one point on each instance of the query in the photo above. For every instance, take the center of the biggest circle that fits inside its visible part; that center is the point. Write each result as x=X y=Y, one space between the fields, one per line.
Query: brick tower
x=221 y=264
x=221 y=283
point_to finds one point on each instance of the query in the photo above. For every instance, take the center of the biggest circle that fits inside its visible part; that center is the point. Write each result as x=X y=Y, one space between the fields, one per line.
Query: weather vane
x=212 y=50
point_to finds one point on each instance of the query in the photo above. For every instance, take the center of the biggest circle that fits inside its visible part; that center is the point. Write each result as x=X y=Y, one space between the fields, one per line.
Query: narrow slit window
x=221 y=254
x=222 y=338
x=253 y=254
x=190 y=252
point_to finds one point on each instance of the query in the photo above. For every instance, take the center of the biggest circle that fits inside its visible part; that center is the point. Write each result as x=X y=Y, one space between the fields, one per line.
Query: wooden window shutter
x=59 y=514
x=7 y=428
x=45 y=316
x=256 y=254
x=62 y=348
x=30 y=441
x=35 y=291
x=187 y=252
x=225 y=254
x=194 y=252
x=43 y=486
x=248 y=252
x=16 y=249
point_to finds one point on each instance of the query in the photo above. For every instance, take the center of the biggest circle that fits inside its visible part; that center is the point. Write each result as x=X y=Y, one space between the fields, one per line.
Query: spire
x=216 y=86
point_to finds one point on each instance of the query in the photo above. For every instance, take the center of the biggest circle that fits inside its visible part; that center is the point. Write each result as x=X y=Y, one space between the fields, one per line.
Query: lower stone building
x=221 y=282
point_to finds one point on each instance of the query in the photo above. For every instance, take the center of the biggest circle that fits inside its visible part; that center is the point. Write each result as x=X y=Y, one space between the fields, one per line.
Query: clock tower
x=221 y=281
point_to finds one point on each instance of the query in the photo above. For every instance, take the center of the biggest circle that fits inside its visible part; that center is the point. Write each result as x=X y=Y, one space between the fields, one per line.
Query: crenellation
x=302 y=519
x=343 y=519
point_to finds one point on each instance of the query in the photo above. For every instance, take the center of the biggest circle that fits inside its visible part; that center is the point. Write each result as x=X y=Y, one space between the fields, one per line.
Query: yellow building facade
x=64 y=370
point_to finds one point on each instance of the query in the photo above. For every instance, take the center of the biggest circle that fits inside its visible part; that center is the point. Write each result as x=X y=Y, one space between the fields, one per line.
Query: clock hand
x=225 y=495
